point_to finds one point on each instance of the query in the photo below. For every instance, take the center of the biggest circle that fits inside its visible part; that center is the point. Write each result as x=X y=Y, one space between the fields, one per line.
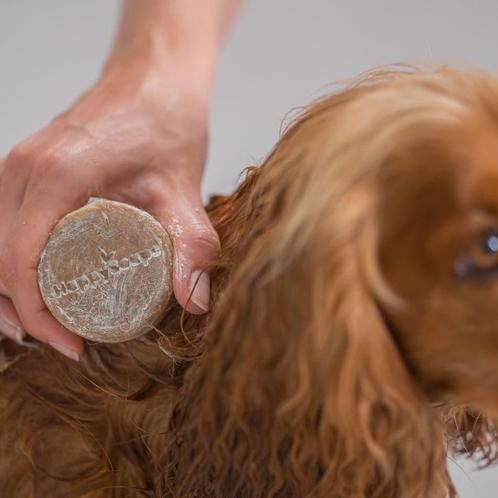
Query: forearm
x=158 y=36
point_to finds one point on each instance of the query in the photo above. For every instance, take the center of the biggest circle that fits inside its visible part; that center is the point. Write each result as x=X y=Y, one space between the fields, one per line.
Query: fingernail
x=11 y=329
x=70 y=353
x=199 y=282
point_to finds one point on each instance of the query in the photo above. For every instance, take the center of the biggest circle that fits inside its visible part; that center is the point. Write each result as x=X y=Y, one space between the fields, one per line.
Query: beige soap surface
x=106 y=270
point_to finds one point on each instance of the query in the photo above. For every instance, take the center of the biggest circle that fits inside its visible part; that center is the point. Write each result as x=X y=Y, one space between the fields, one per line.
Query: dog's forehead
x=479 y=178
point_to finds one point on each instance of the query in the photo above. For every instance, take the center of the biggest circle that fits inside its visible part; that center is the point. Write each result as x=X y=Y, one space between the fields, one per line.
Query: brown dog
x=353 y=340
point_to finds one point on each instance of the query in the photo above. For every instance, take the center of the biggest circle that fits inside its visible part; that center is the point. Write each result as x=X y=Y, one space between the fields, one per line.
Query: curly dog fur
x=344 y=355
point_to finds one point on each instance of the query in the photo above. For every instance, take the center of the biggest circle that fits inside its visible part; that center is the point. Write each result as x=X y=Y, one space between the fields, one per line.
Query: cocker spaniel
x=353 y=339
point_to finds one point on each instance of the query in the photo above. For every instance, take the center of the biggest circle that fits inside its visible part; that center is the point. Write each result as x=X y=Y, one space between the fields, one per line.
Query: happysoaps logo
x=102 y=275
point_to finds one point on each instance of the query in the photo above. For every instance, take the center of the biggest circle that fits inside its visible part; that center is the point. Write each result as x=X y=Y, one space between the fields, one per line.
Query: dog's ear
x=301 y=390
x=471 y=434
x=381 y=426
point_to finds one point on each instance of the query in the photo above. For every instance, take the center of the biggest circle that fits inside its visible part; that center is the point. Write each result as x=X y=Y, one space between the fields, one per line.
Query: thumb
x=196 y=247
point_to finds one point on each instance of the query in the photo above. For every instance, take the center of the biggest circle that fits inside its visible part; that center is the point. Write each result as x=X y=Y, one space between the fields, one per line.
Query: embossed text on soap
x=103 y=274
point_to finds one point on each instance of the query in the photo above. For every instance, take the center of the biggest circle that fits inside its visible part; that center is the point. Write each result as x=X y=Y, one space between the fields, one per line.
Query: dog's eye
x=482 y=259
x=489 y=243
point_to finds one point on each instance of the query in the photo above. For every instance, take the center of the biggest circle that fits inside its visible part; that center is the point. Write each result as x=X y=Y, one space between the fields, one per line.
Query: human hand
x=137 y=136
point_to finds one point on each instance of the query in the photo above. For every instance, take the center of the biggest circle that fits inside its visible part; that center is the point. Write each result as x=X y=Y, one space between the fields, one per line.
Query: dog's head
x=361 y=308
x=437 y=220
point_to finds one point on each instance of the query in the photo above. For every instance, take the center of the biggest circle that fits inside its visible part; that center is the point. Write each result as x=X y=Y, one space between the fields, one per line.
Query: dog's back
x=83 y=430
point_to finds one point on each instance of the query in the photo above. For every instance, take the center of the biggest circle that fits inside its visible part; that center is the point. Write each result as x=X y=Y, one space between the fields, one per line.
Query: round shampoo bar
x=106 y=271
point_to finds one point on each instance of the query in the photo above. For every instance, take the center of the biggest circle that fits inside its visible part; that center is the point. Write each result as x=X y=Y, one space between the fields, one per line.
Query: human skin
x=138 y=135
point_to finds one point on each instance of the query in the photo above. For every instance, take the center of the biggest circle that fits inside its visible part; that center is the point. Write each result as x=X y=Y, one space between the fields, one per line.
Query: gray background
x=280 y=54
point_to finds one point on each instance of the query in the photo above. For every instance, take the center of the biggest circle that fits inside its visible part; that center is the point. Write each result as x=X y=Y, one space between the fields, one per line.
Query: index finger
x=28 y=239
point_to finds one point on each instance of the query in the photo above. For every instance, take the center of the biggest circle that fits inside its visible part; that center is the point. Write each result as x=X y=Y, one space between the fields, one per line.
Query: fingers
x=196 y=247
x=38 y=321
x=10 y=325
x=19 y=270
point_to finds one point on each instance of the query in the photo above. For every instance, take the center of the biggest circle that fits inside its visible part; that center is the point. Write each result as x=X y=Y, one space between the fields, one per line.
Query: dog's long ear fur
x=471 y=434
x=301 y=390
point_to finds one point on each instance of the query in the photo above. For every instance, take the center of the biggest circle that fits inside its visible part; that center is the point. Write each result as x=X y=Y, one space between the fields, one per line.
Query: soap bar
x=105 y=272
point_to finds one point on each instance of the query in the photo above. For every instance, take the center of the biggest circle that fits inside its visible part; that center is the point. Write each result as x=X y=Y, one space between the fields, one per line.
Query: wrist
x=151 y=65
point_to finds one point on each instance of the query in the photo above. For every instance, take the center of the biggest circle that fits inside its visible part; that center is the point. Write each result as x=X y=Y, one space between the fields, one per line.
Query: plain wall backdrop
x=280 y=54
